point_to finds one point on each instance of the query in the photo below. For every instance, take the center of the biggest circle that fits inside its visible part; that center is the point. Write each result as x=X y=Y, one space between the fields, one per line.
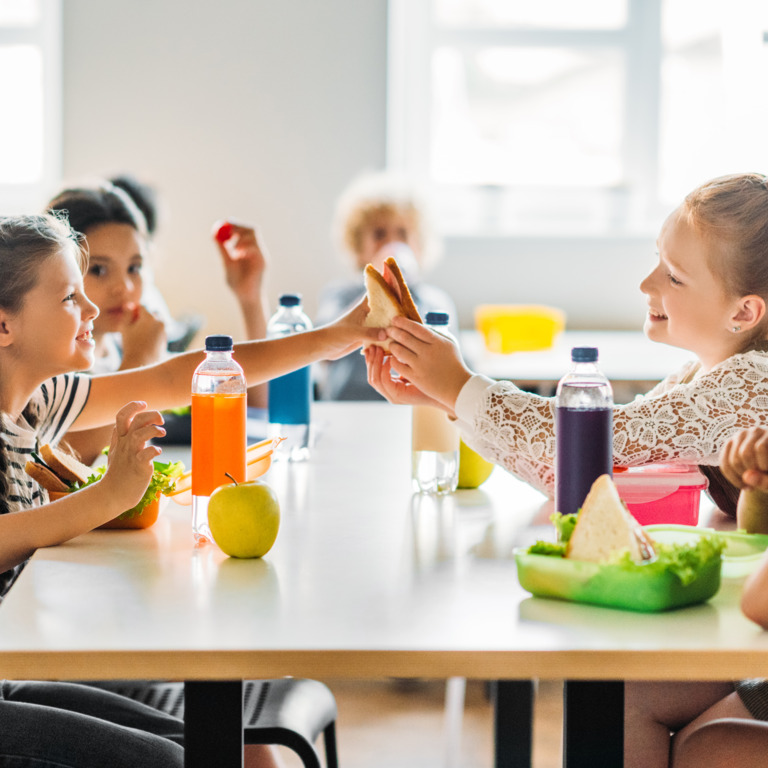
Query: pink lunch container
x=662 y=493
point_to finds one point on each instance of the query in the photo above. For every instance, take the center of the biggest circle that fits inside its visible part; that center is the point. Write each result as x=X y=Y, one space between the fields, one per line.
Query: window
x=558 y=117
x=30 y=128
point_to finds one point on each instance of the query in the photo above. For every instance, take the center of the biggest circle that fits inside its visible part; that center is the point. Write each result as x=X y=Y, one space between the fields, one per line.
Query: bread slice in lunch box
x=605 y=526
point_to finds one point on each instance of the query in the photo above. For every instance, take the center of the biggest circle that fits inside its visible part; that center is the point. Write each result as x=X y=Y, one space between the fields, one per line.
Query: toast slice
x=605 y=526
x=66 y=466
x=388 y=297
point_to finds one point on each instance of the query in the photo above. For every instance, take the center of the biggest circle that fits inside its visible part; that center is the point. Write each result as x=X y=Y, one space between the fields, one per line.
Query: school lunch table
x=367 y=581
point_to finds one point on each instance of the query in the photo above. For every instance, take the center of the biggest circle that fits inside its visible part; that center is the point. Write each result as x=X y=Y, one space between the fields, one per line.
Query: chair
x=288 y=711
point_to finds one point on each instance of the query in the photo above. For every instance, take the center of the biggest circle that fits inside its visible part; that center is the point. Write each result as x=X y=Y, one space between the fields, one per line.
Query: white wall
x=263 y=110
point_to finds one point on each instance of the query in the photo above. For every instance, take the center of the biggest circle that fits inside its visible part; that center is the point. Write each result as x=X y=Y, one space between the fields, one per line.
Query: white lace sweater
x=687 y=418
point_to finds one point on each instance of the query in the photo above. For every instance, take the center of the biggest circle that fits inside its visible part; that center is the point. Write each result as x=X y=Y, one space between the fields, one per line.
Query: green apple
x=244 y=518
x=474 y=470
x=752 y=511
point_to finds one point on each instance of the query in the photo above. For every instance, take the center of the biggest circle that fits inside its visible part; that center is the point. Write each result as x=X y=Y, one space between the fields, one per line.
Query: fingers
x=134 y=416
x=744 y=458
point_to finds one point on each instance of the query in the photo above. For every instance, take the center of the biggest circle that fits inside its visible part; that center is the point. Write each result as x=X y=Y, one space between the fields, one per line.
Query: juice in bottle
x=218 y=428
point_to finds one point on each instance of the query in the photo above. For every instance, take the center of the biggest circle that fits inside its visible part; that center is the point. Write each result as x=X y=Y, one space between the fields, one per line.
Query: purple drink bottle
x=583 y=430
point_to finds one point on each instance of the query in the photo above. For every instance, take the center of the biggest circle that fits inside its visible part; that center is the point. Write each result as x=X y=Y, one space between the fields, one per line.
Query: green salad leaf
x=684 y=560
x=163 y=482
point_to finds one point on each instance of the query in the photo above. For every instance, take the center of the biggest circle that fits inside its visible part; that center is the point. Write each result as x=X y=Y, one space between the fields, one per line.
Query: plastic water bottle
x=583 y=430
x=434 y=437
x=218 y=428
x=290 y=395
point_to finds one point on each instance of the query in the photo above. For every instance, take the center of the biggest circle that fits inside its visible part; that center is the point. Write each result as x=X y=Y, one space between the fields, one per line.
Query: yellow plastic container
x=510 y=328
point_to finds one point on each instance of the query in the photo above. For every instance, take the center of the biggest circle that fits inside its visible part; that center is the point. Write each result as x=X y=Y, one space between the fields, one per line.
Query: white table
x=365 y=581
x=628 y=359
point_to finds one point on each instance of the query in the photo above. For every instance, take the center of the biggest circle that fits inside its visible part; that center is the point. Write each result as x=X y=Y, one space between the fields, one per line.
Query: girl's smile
x=688 y=304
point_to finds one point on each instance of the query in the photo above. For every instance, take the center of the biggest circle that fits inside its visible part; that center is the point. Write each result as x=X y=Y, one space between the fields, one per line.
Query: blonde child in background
x=46 y=323
x=687 y=724
x=127 y=333
x=707 y=294
x=378 y=215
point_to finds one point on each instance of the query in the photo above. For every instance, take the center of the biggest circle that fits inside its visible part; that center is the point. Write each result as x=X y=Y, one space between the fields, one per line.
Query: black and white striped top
x=59 y=402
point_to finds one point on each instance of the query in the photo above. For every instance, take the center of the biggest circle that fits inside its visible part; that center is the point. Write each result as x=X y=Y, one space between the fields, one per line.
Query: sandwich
x=604 y=526
x=60 y=473
x=388 y=297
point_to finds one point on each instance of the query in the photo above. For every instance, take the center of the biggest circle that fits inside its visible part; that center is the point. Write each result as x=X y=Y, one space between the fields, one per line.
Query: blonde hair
x=732 y=211
x=375 y=193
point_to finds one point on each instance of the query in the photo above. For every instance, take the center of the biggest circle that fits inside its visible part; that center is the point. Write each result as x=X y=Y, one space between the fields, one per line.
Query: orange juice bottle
x=218 y=428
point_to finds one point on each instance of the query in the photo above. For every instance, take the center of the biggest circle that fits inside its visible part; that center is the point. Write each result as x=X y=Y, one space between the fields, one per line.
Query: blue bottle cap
x=219 y=343
x=584 y=354
x=290 y=300
x=436 y=318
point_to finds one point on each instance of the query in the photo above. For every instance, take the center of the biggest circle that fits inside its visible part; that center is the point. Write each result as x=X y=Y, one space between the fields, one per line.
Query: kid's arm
x=168 y=384
x=123 y=485
x=244 y=258
x=754 y=596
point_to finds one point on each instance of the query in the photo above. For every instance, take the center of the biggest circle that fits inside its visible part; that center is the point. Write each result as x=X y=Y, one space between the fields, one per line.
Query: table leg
x=513 y=723
x=213 y=724
x=593 y=723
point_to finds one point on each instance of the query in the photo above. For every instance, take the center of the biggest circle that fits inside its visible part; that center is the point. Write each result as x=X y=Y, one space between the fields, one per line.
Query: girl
x=126 y=333
x=377 y=216
x=707 y=294
x=46 y=323
x=717 y=724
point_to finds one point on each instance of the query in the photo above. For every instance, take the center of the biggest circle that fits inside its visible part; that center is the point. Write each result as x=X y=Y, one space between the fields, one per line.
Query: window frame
x=412 y=38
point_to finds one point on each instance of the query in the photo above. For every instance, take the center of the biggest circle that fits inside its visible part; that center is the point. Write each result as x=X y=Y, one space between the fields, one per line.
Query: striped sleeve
x=63 y=399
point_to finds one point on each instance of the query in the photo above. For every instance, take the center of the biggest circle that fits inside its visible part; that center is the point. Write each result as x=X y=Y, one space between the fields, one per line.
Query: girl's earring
x=736 y=328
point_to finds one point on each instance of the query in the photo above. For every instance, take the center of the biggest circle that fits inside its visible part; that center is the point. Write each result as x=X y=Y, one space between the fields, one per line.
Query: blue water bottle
x=290 y=395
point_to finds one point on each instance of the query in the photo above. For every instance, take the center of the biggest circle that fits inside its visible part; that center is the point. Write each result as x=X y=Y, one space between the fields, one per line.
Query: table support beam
x=213 y=724
x=513 y=723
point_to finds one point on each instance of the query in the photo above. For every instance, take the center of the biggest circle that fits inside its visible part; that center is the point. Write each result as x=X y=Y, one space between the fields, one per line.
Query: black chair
x=289 y=711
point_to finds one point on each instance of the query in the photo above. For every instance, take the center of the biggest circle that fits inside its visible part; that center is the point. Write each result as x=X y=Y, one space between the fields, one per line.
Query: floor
x=403 y=723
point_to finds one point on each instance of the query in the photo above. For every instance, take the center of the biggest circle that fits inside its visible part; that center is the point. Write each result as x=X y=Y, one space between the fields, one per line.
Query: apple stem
x=231 y=478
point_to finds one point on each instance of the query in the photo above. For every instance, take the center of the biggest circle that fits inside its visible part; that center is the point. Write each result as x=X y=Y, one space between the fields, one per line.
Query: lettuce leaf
x=684 y=560
x=163 y=482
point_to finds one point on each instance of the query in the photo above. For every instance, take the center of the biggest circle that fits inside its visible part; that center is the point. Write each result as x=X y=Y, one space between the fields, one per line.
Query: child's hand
x=130 y=457
x=244 y=257
x=348 y=332
x=396 y=390
x=145 y=340
x=744 y=459
x=429 y=361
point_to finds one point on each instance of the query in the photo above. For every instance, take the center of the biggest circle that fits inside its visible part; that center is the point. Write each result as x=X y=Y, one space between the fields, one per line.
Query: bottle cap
x=436 y=318
x=218 y=343
x=584 y=354
x=290 y=300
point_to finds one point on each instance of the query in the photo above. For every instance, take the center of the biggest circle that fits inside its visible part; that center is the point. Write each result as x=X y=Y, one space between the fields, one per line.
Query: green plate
x=742 y=554
x=638 y=588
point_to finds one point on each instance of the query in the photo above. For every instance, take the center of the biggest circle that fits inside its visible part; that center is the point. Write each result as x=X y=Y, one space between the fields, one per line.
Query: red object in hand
x=224 y=232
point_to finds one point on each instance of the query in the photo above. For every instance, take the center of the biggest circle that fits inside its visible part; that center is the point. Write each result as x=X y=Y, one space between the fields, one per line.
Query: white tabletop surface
x=365 y=580
x=623 y=356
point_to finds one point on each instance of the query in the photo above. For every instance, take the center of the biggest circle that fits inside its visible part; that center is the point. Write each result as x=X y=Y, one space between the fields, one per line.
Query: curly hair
x=374 y=194
x=26 y=243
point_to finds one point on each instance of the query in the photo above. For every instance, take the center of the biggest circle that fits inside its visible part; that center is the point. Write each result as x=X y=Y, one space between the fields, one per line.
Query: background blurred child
x=707 y=294
x=377 y=216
